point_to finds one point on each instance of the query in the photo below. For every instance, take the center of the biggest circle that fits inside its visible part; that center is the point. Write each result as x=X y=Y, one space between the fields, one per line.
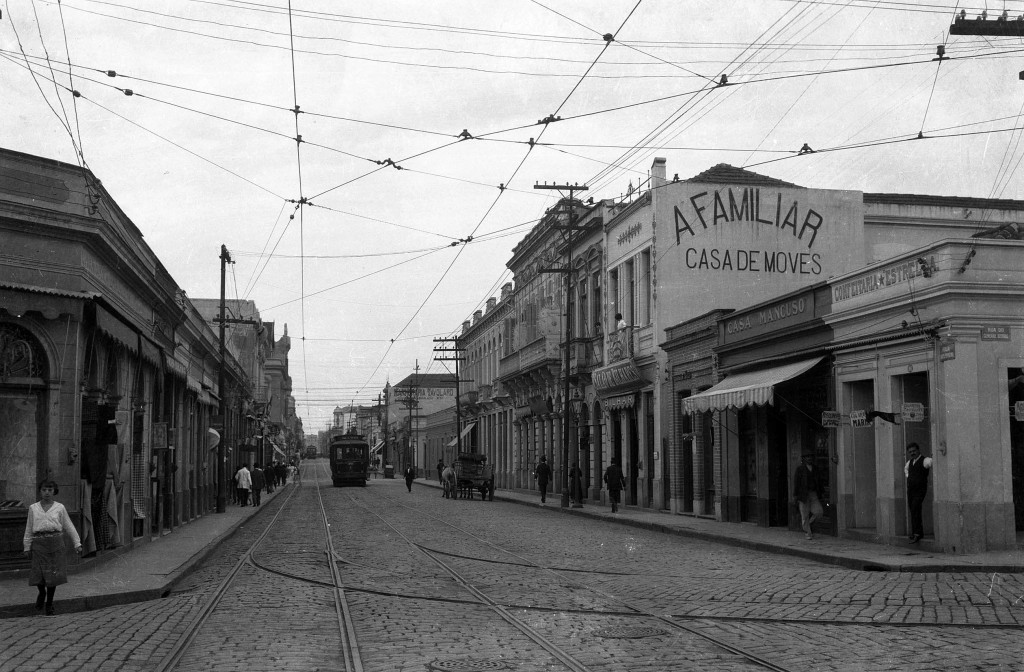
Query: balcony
x=541 y=351
x=585 y=354
x=620 y=345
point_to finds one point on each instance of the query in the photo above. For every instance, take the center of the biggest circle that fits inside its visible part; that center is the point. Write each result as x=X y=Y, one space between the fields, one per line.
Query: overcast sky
x=204 y=153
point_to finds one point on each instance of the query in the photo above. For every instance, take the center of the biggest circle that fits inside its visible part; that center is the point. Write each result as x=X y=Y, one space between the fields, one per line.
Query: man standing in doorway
x=807 y=493
x=543 y=474
x=916 y=470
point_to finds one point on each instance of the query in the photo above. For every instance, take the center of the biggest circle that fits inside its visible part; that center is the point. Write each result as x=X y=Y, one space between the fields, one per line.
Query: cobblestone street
x=431 y=583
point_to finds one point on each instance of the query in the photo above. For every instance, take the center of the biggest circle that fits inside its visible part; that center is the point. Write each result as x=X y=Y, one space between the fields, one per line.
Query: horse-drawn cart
x=472 y=473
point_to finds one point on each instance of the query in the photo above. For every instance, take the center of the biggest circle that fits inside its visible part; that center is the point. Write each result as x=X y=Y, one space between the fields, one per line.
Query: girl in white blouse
x=47 y=523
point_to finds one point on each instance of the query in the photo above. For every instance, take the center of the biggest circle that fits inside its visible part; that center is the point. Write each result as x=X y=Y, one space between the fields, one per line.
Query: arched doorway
x=23 y=370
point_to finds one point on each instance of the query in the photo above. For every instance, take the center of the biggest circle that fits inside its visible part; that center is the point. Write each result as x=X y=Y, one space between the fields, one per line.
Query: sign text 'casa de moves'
x=731 y=206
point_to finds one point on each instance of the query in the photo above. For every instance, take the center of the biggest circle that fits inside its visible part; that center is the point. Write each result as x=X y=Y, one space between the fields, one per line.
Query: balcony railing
x=620 y=345
x=540 y=350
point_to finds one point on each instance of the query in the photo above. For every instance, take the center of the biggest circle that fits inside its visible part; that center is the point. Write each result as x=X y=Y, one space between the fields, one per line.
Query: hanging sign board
x=859 y=419
x=912 y=412
x=947 y=350
x=1018 y=411
x=831 y=419
x=159 y=436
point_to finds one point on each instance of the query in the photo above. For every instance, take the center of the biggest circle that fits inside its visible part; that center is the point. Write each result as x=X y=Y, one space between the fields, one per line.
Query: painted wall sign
x=831 y=419
x=772 y=317
x=995 y=333
x=947 y=350
x=733 y=246
x=883 y=277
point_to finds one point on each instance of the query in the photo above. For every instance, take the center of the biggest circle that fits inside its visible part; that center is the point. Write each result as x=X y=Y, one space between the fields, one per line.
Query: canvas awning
x=750 y=388
x=376 y=448
x=276 y=449
x=466 y=430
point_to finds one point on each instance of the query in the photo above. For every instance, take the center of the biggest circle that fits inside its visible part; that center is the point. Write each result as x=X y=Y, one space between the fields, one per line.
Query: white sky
x=418 y=73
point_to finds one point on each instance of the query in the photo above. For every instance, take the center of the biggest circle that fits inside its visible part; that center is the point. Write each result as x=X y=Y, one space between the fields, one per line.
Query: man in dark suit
x=916 y=470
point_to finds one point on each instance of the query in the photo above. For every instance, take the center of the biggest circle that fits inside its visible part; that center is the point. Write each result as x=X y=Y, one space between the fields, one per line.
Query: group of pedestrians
x=614 y=480
x=250 y=484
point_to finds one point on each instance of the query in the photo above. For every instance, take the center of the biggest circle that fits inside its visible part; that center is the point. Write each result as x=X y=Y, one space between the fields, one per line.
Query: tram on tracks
x=350 y=459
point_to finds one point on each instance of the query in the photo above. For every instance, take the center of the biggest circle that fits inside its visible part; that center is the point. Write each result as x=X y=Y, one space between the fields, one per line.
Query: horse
x=448 y=482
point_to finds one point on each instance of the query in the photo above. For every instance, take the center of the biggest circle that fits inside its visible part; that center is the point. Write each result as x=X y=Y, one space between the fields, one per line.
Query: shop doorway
x=747 y=430
x=1015 y=384
x=860 y=395
x=634 y=459
x=708 y=461
x=913 y=389
x=684 y=429
x=648 y=459
x=778 y=468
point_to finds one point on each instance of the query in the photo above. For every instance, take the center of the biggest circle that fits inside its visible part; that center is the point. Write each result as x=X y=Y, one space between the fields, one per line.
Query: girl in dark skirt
x=44 y=543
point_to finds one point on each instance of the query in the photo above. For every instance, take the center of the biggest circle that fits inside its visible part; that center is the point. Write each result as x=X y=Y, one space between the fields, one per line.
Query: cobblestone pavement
x=444 y=584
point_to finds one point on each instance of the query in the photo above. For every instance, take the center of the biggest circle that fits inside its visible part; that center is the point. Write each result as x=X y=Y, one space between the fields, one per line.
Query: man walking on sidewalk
x=543 y=474
x=807 y=493
x=615 y=481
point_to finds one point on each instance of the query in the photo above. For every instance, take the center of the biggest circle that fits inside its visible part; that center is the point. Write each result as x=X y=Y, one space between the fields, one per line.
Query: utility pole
x=222 y=502
x=222 y=320
x=570 y=230
x=387 y=421
x=457 y=357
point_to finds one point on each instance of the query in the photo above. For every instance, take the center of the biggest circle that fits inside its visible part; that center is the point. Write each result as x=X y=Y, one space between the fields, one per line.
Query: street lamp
x=576 y=475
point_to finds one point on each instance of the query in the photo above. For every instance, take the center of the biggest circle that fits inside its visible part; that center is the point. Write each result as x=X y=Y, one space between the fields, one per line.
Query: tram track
x=560 y=653
x=248 y=558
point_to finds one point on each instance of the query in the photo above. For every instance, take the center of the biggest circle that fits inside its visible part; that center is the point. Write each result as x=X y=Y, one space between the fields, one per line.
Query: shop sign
x=772 y=317
x=831 y=419
x=912 y=412
x=859 y=419
x=886 y=276
x=995 y=333
x=947 y=350
x=1018 y=411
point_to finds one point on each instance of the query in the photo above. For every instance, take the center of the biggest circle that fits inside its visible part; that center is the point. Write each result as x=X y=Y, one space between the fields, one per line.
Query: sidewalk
x=144 y=572
x=152 y=569
x=848 y=553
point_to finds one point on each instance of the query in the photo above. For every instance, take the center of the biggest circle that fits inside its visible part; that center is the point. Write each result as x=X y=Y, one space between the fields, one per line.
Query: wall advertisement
x=731 y=246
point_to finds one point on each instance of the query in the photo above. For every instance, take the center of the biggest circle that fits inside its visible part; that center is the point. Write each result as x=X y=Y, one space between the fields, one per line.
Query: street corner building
x=706 y=333
x=108 y=371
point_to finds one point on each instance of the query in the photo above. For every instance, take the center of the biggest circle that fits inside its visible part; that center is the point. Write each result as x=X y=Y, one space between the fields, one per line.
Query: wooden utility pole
x=570 y=231
x=222 y=502
x=457 y=349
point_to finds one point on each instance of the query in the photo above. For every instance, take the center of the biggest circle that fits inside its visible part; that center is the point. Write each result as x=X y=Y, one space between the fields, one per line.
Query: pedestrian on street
x=615 y=481
x=280 y=474
x=440 y=469
x=243 y=480
x=543 y=474
x=807 y=492
x=410 y=475
x=268 y=476
x=916 y=471
x=45 y=527
x=576 y=484
x=258 y=483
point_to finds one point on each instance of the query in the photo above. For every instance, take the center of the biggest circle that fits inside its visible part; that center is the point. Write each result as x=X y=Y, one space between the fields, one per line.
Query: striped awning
x=376 y=448
x=750 y=388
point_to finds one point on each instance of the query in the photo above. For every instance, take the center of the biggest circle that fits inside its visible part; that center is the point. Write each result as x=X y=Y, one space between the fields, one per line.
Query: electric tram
x=350 y=459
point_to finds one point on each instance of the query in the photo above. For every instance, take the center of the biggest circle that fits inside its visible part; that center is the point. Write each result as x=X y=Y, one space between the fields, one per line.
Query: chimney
x=477 y=314
x=506 y=290
x=658 y=173
x=465 y=326
x=491 y=302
